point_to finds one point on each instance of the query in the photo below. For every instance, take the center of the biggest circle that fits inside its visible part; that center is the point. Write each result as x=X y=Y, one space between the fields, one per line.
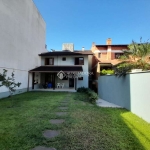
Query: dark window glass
x=79 y=61
x=80 y=78
x=49 y=61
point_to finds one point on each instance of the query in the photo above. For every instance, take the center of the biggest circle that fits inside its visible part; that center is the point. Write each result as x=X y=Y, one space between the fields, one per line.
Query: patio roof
x=66 y=53
x=57 y=69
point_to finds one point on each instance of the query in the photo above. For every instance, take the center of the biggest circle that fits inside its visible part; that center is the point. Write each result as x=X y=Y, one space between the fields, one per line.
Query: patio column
x=75 y=83
x=33 y=76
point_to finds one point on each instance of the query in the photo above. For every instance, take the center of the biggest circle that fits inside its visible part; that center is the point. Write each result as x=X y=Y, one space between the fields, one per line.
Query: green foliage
x=122 y=69
x=92 y=96
x=9 y=82
x=136 y=57
x=83 y=89
x=85 y=127
x=105 y=72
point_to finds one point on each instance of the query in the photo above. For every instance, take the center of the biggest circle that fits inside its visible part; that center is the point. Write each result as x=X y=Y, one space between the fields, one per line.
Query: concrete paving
x=103 y=103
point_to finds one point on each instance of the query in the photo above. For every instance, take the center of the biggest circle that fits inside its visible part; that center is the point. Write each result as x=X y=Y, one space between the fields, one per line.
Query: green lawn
x=86 y=127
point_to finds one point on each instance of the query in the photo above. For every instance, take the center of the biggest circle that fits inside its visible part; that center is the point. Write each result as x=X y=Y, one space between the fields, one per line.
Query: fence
x=131 y=92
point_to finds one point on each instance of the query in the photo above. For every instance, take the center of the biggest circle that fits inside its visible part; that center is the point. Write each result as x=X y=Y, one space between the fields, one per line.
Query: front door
x=71 y=82
x=50 y=78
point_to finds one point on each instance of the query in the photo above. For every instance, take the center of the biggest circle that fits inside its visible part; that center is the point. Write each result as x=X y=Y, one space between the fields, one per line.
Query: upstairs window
x=49 y=61
x=117 y=55
x=80 y=78
x=99 y=55
x=64 y=59
x=79 y=61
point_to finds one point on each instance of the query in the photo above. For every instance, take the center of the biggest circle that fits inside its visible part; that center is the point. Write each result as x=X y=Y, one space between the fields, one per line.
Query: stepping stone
x=63 y=108
x=43 y=148
x=64 y=103
x=61 y=113
x=56 y=121
x=51 y=133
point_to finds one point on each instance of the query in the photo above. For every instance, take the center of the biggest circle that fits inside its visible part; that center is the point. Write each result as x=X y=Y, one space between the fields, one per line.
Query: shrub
x=91 y=94
x=83 y=89
x=104 y=72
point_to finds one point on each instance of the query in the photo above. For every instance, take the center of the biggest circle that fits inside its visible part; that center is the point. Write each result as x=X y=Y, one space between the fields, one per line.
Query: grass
x=86 y=127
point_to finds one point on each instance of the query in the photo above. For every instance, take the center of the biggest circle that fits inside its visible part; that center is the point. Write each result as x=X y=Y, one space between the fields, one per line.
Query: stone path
x=61 y=113
x=56 y=121
x=63 y=108
x=103 y=103
x=54 y=133
x=51 y=133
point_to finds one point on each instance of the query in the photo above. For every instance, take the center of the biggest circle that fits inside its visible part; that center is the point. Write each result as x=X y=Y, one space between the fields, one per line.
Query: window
x=99 y=55
x=117 y=55
x=80 y=78
x=64 y=59
x=49 y=61
x=79 y=61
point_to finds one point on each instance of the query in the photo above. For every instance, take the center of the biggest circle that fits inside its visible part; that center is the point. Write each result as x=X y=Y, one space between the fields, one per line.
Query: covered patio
x=58 y=78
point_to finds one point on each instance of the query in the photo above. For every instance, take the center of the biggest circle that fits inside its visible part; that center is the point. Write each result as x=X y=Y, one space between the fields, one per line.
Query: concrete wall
x=22 y=38
x=131 y=92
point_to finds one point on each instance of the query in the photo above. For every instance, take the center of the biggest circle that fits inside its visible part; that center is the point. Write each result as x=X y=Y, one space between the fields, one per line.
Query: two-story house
x=68 y=67
x=105 y=57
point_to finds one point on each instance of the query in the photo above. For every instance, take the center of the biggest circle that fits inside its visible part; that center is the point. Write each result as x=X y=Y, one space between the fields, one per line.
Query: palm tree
x=138 y=55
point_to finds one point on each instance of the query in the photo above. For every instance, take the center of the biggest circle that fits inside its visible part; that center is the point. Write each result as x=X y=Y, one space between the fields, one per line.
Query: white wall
x=131 y=92
x=22 y=38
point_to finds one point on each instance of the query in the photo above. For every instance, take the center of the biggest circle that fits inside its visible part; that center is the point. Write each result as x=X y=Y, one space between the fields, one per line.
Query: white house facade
x=68 y=68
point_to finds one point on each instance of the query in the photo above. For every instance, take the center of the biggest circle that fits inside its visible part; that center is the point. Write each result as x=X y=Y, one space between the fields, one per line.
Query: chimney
x=93 y=44
x=109 y=41
x=82 y=48
x=109 y=53
x=68 y=46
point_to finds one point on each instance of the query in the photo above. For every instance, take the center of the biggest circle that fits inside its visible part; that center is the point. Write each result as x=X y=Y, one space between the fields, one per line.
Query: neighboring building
x=22 y=37
x=105 y=57
x=66 y=63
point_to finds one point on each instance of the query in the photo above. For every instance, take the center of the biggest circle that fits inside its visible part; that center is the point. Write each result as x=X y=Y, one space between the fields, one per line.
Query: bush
x=83 y=89
x=105 y=72
x=91 y=94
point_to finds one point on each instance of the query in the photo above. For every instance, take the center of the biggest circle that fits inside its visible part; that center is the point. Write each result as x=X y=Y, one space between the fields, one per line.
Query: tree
x=136 y=57
x=8 y=82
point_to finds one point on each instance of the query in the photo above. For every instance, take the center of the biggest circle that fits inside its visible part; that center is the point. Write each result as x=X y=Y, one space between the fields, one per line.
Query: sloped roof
x=66 y=53
x=57 y=69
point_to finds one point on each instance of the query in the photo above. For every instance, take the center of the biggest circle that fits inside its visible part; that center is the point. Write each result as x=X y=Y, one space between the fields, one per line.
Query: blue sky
x=85 y=21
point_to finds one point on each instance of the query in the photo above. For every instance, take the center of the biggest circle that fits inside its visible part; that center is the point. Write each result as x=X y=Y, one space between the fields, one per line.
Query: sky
x=83 y=22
